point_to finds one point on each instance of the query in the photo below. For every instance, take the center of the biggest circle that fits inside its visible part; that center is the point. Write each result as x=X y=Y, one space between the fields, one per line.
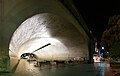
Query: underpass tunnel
x=29 y=25
x=65 y=40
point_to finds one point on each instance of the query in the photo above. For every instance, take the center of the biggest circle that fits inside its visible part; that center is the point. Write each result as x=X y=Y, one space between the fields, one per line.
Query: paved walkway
x=96 y=69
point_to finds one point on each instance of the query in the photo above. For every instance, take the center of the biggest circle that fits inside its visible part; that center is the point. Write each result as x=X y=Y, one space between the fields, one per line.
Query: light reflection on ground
x=94 y=69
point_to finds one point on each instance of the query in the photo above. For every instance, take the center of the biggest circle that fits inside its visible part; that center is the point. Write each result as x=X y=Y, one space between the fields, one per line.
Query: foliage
x=111 y=37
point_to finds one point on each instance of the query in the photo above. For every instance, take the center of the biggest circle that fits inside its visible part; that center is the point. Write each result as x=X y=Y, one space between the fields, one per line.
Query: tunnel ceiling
x=44 y=28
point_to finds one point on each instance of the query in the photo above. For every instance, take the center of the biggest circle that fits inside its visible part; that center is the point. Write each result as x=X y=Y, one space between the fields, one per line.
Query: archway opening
x=47 y=37
x=36 y=32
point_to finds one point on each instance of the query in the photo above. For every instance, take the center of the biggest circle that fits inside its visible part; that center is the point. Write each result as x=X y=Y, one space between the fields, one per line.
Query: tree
x=111 y=37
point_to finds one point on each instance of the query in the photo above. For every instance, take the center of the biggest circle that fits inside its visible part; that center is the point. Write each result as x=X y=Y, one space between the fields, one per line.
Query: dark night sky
x=96 y=14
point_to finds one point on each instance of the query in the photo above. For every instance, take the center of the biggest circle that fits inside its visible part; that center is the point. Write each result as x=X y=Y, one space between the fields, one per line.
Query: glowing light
x=96 y=59
x=102 y=47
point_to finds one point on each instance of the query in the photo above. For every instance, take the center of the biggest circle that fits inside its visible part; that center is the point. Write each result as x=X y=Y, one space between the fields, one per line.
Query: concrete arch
x=47 y=26
x=15 y=12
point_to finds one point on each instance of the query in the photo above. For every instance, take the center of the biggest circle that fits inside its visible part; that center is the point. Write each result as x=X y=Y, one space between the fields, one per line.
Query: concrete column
x=4 y=56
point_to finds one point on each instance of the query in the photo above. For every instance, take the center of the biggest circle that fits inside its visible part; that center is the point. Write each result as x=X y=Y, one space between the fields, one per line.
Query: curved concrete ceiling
x=45 y=28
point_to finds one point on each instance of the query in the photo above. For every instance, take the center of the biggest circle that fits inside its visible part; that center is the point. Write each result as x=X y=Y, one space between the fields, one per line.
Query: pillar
x=4 y=55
